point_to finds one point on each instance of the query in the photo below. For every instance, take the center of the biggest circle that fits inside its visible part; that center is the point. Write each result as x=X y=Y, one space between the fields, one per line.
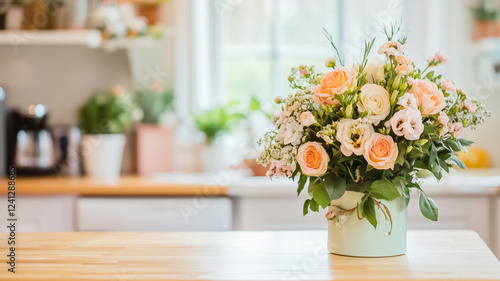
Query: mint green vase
x=358 y=238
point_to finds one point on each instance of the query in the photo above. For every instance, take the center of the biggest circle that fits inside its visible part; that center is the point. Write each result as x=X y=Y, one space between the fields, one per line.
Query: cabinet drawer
x=41 y=213
x=153 y=214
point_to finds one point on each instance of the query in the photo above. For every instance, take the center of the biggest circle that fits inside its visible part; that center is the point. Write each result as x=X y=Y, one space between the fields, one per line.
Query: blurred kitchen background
x=184 y=88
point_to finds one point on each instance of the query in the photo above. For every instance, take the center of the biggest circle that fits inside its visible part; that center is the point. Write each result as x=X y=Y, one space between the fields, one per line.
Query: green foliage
x=214 y=122
x=105 y=113
x=154 y=104
x=484 y=13
x=384 y=189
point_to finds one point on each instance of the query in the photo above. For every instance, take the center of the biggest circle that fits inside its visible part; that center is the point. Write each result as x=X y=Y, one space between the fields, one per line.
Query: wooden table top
x=271 y=255
x=124 y=186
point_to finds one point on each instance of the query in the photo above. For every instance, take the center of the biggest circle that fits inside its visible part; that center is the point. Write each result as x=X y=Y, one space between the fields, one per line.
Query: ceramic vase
x=358 y=238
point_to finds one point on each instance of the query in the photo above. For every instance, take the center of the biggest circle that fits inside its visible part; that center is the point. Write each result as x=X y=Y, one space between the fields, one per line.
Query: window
x=260 y=40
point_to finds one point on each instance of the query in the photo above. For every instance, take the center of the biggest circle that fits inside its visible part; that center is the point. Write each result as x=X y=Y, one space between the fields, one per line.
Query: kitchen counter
x=271 y=255
x=124 y=186
x=227 y=183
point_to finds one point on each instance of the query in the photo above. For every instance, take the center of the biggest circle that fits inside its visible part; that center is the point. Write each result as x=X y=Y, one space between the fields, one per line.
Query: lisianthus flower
x=392 y=48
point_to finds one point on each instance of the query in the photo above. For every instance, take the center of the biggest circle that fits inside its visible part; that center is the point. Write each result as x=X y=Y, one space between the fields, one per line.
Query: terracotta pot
x=257 y=169
x=155 y=149
x=483 y=29
x=150 y=11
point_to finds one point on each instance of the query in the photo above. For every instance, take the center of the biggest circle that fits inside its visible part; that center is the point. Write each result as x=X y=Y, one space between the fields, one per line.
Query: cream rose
x=429 y=99
x=381 y=151
x=352 y=135
x=338 y=80
x=374 y=99
x=313 y=159
x=374 y=70
x=307 y=119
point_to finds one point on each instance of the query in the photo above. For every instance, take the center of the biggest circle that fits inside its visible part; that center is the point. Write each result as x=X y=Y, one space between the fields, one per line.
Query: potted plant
x=214 y=123
x=486 y=20
x=104 y=119
x=359 y=137
x=150 y=9
x=154 y=139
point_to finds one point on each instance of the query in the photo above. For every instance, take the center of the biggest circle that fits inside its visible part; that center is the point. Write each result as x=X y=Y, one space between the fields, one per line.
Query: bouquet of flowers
x=376 y=128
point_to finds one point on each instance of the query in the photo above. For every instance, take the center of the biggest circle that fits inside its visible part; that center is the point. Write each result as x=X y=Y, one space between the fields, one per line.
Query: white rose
x=307 y=119
x=374 y=99
x=290 y=133
x=374 y=70
x=352 y=135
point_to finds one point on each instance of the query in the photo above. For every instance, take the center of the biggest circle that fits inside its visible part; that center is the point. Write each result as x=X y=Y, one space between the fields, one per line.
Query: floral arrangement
x=376 y=127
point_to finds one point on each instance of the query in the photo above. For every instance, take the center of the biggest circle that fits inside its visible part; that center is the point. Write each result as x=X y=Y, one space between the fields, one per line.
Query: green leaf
x=457 y=161
x=401 y=155
x=438 y=172
x=313 y=205
x=428 y=207
x=384 y=189
x=465 y=142
x=335 y=186
x=320 y=195
x=305 y=209
x=400 y=186
x=444 y=165
x=302 y=183
x=433 y=155
x=424 y=174
x=430 y=74
x=297 y=170
x=454 y=145
x=368 y=210
x=254 y=104
x=359 y=186
x=312 y=182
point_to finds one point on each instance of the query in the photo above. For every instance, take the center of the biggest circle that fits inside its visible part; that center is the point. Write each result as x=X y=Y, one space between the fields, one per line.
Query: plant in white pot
x=104 y=119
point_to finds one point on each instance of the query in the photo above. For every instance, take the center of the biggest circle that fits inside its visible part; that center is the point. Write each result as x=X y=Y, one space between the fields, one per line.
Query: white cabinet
x=37 y=213
x=154 y=214
x=471 y=212
x=275 y=213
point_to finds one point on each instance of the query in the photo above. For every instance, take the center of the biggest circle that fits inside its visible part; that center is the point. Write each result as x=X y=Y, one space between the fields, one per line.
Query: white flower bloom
x=408 y=101
x=290 y=133
x=353 y=134
x=374 y=99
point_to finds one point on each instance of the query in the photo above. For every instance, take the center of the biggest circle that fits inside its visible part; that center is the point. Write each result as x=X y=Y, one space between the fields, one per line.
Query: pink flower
x=307 y=119
x=313 y=159
x=403 y=60
x=443 y=119
x=410 y=81
x=439 y=57
x=458 y=130
x=408 y=101
x=407 y=123
x=280 y=170
x=381 y=152
x=470 y=106
x=429 y=99
x=447 y=85
x=330 y=62
x=278 y=99
x=285 y=114
x=392 y=48
x=404 y=69
x=303 y=71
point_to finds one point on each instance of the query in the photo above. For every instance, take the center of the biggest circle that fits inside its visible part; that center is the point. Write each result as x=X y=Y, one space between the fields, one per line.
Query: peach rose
x=429 y=99
x=404 y=69
x=322 y=97
x=338 y=80
x=307 y=119
x=381 y=151
x=313 y=159
x=403 y=60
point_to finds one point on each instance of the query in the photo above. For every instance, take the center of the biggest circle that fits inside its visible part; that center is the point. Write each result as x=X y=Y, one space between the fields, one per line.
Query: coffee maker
x=30 y=143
